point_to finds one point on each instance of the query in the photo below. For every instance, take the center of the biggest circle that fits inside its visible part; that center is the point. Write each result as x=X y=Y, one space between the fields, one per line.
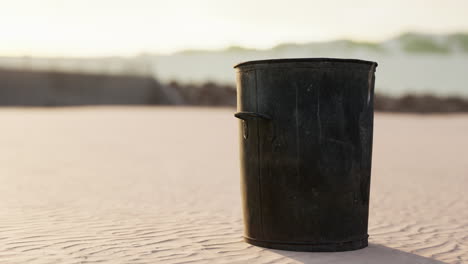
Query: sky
x=130 y=27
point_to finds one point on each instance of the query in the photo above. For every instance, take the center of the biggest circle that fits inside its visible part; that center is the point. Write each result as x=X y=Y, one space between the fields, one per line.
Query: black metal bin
x=306 y=149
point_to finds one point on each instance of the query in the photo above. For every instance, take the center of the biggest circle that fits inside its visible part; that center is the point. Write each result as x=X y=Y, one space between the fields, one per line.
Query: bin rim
x=305 y=60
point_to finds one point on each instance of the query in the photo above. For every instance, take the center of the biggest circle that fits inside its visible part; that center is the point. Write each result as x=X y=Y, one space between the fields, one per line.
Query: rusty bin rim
x=305 y=60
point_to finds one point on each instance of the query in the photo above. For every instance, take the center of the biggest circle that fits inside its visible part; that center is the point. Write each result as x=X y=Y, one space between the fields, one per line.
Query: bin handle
x=251 y=115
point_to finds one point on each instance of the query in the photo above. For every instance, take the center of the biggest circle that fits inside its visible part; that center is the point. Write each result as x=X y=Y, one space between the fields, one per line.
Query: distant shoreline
x=55 y=89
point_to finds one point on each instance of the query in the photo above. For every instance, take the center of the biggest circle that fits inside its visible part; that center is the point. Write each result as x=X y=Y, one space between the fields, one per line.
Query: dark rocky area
x=50 y=88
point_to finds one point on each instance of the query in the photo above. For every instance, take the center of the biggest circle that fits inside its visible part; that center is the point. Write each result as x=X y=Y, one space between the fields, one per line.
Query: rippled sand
x=161 y=185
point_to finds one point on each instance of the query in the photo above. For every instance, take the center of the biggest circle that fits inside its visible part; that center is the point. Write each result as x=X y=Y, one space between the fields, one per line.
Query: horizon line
x=236 y=46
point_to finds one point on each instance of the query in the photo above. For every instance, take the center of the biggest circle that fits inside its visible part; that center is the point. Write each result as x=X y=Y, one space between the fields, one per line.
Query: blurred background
x=94 y=170
x=152 y=52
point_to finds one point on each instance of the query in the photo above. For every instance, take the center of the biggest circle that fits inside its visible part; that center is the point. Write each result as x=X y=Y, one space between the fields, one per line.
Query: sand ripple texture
x=161 y=185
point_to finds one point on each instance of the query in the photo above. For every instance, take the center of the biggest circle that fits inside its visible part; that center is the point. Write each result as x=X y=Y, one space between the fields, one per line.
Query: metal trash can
x=305 y=151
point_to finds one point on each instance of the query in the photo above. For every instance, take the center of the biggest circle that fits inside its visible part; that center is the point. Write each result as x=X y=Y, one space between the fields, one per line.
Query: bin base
x=311 y=247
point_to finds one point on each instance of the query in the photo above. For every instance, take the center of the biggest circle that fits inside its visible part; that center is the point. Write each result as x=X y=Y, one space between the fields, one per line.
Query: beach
x=161 y=185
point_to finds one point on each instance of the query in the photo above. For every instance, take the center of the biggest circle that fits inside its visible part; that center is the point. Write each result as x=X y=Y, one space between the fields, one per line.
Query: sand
x=161 y=185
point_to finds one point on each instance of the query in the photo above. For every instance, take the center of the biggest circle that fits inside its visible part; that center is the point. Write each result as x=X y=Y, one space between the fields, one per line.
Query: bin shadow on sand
x=374 y=253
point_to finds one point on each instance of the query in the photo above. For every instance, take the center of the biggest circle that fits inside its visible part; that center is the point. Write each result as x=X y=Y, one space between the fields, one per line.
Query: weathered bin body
x=306 y=148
